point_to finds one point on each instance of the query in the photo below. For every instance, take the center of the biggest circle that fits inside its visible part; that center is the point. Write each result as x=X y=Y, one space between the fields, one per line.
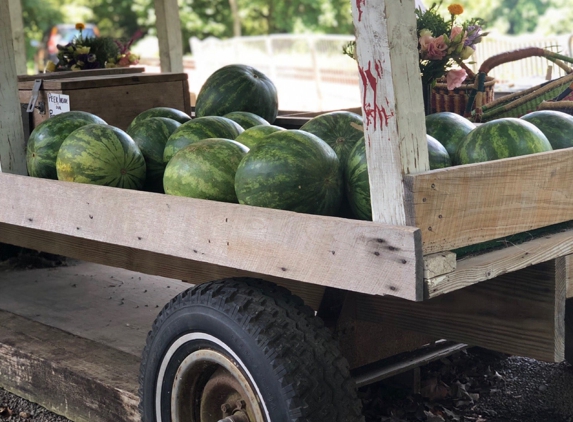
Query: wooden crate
x=116 y=98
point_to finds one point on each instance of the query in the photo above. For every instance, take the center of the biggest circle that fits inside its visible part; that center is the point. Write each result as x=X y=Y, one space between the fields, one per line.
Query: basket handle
x=523 y=53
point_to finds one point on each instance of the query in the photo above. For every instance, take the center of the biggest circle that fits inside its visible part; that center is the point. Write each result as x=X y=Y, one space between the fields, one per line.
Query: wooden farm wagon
x=237 y=347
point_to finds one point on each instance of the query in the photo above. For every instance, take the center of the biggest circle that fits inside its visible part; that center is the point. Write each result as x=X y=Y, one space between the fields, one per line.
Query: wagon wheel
x=243 y=350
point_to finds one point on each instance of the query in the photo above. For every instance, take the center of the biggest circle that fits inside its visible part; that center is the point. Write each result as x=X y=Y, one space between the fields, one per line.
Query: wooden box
x=116 y=98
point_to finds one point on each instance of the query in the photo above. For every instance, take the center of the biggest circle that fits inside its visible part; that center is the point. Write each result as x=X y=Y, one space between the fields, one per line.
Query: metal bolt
x=240 y=404
x=226 y=408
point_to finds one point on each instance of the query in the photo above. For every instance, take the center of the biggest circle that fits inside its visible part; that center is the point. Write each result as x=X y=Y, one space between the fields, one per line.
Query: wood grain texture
x=85 y=73
x=18 y=36
x=439 y=264
x=475 y=269
x=169 y=35
x=347 y=254
x=74 y=377
x=391 y=101
x=12 y=145
x=518 y=313
x=474 y=203
x=569 y=276
x=119 y=106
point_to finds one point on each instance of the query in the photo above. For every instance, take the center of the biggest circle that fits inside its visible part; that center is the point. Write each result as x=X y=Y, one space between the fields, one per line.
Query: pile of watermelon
x=231 y=151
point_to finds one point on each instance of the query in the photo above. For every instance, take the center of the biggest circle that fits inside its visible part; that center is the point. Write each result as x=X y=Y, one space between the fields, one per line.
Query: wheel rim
x=211 y=387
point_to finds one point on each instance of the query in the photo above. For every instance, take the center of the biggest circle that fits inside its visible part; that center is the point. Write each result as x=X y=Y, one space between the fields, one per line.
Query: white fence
x=311 y=73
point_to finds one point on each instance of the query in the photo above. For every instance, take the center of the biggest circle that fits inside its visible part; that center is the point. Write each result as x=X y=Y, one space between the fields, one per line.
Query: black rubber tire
x=286 y=349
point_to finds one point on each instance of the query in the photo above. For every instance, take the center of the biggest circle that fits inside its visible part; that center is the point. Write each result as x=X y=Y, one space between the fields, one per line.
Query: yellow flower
x=456 y=9
x=50 y=66
x=80 y=26
x=109 y=65
x=76 y=67
x=83 y=50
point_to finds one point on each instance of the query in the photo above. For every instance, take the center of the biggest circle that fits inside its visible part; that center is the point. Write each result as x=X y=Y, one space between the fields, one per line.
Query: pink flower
x=457 y=35
x=436 y=48
x=455 y=77
x=124 y=62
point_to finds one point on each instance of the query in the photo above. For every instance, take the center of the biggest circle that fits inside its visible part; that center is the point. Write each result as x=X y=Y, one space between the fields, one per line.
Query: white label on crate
x=58 y=103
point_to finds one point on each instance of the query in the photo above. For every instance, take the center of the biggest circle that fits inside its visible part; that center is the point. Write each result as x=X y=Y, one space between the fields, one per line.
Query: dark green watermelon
x=46 y=139
x=246 y=119
x=151 y=135
x=501 y=138
x=338 y=129
x=205 y=170
x=555 y=125
x=101 y=155
x=292 y=170
x=253 y=136
x=238 y=87
x=199 y=129
x=356 y=182
x=449 y=129
x=437 y=154
x=171 y=113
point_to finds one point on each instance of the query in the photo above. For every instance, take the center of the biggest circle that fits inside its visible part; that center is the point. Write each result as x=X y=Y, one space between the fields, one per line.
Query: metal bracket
x=35 y=93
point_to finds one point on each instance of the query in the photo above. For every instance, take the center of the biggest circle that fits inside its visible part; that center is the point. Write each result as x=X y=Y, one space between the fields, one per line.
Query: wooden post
x=392 y=104
x=169 y=35
x=12 y=145
x=18 y=34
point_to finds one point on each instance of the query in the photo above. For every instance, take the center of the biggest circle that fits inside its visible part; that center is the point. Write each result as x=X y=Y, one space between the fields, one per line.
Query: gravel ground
x=472 y=386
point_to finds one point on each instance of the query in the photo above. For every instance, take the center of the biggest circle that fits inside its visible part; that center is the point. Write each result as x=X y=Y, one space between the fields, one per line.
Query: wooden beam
x=439 y=264
x=18 y=36
x=487 y=266
x=569 y=331
x=474 y=203
x=327 y=251
x=12 y=145
x=521 y=313
x=169 y=35
x=80 y=379
x=390 y=84
x=569 y=266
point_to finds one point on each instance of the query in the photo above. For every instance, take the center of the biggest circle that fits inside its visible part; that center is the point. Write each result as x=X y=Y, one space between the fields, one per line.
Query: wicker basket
x=456 y=101
x=563 y=103
x=520 y=103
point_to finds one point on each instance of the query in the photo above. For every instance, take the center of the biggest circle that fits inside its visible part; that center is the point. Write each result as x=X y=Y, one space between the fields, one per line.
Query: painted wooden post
x=18 y=34
x=392 y=104
x=12 y=145
x=169 y=35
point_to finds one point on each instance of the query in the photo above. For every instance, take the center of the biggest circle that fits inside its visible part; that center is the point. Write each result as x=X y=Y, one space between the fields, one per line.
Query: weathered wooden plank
x=394 y=129
x=439 y=264
x=18 y=36
x=521 y=313
x=327 y=251
x=169 y=35
x=569 y=266
x=475 y=269
x=12 y=146
x=474 y=203
x=74 y=377
x=85 y=73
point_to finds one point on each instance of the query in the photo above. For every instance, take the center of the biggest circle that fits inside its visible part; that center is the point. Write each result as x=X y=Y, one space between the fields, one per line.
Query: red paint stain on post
x=359 y=4
x=373 y=111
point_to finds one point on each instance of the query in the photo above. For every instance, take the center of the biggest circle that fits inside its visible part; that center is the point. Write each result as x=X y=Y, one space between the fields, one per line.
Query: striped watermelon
x=501 y=138
x=151 y=135
x=292 y=170
x=555 y=125
x=46 y=139
x=338 y=129
x=246 y=119
x=199 y=129
x=253 y=136
x=205 y=170
x=449 y=129
x=101 y=155
x=438 y=155
x=238 y=87
x=171 y=113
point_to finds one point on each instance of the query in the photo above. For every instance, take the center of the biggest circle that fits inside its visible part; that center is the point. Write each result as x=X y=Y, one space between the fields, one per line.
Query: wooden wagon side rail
x=147 y=229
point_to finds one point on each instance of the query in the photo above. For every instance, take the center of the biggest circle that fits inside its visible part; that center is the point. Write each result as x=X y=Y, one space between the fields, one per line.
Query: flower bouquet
x=85 y=53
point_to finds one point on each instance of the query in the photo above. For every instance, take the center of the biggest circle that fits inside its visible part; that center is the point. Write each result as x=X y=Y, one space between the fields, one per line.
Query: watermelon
x=171 y=113
x=246 y=119
x=339 y=129
x=199 y=129
x=449 y=129
x=238 y=87
x=292 y=170
x=555 y=125
x=205 y=170
x=46 y=139
x=101 y=155
x=151 y=135
x=501 y=138
x=438 y=155
x=256 y=134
